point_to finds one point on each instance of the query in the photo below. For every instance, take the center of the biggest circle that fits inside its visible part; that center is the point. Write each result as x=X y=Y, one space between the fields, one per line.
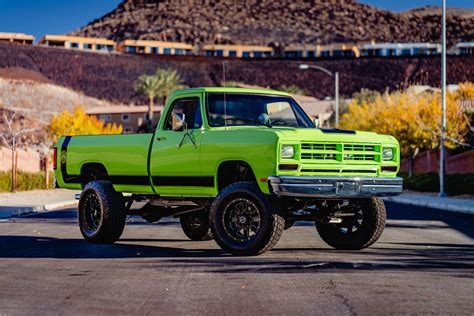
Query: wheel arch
x=234 y=170
x=93 y=171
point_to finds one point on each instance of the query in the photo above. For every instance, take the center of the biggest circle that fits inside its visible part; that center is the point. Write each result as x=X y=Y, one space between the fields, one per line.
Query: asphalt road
x=424 y=263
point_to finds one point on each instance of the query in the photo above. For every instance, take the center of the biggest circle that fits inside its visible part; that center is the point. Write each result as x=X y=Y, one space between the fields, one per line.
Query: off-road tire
x=373 y=224
x=271 y=224
x=189 y=224
x=112 y=213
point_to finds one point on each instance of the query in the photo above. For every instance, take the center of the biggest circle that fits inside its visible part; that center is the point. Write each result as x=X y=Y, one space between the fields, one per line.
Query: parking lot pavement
x=424 y=263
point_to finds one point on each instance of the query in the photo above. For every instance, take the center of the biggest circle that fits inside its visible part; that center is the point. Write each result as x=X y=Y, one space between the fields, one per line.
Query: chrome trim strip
x=335 y=187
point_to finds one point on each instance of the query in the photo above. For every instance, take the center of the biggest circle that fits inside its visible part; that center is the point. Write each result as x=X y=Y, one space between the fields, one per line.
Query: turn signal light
x=389 y=169
x=55 y=158
x=287 y=167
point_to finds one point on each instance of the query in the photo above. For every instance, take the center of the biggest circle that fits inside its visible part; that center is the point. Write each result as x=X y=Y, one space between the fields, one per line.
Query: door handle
x=160 y=138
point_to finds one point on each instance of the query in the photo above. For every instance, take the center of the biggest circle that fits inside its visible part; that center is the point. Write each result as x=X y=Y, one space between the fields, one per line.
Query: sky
x=39 y=17
x=402 y=5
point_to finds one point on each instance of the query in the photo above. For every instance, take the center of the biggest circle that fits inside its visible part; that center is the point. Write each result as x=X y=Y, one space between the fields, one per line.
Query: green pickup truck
x=235 y=165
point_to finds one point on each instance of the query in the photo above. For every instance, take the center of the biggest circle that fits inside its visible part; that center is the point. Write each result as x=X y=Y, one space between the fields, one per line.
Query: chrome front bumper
x=335 y=187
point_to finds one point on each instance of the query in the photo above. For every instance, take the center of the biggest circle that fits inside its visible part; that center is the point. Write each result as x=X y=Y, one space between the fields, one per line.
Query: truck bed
x=124 y=157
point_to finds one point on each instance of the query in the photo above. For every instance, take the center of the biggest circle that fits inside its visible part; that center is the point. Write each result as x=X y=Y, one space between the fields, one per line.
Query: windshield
x=255 y=109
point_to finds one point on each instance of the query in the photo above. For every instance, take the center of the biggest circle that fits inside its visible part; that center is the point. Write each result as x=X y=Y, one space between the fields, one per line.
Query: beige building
x=321 y=51
x=18 y=38
x=155 y=47
x=240 y=51
x=28 y=160
x=75 y=42
x=130 y=117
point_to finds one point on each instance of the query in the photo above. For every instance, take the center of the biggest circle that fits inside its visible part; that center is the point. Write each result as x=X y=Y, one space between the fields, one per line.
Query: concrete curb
x=445 y=206
x=19 y=210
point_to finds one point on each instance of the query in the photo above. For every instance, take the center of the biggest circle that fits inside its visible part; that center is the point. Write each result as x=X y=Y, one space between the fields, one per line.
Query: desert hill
x=267 y=22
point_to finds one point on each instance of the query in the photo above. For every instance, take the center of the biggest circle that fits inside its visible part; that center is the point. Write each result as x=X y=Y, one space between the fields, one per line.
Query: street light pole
x=336 y=85
x=442 y=155
x=336 y=75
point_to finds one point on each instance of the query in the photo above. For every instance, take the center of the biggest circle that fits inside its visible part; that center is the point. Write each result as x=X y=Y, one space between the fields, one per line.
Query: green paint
x=259 y=146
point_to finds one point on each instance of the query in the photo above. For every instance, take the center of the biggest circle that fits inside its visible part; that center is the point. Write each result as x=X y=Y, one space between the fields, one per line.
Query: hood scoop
x=337 y=131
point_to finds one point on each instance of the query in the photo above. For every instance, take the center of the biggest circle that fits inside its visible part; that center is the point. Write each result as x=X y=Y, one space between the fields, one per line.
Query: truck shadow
x=382 y=256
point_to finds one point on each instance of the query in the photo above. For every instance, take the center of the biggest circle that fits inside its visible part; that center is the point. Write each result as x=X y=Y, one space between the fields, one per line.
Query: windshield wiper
x=282 y=123
x=247 y=119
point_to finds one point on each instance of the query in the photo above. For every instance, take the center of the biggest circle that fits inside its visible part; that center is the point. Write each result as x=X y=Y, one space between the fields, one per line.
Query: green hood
x=316 y=134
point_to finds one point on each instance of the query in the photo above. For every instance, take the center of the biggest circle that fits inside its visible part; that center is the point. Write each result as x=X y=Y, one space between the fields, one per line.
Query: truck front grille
x=340 y=152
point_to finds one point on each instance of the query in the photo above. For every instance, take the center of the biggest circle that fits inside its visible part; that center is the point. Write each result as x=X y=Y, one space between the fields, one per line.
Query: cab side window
x=190 y=108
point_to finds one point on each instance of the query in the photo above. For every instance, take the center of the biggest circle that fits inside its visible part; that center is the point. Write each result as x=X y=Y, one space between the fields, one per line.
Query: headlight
x=387 y=154
x=287 y=151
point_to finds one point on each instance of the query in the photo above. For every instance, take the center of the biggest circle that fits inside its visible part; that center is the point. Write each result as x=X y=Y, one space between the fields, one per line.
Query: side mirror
x=178 y=121
x=264 y=119
x=316 y=122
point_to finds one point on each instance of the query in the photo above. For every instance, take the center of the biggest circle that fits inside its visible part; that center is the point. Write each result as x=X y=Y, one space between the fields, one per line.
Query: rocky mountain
x=268 y=22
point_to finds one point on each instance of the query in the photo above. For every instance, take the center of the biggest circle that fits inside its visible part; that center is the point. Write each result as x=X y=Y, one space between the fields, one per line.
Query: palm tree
x=161 y=84
x=170 y=81
x=149 y=86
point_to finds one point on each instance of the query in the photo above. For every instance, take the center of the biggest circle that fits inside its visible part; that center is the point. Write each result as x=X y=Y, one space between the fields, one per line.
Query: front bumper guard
x=335 y=187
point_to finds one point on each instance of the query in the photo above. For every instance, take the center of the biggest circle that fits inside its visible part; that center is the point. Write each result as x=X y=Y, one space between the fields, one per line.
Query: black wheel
x=358 y=231
x=243 y=222
x=289 y=223
x=196 y=225
x=101 y=213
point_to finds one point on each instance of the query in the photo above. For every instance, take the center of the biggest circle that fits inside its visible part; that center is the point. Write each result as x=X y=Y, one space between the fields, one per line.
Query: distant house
x=81 y=43
x=240 y=51
x=400 y=49
x=130 y=117
x=465 y=48
x=18 y=38
x=322 y=51
x=154 y=47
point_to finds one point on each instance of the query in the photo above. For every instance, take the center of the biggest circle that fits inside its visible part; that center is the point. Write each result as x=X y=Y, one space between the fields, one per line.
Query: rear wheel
x=101 y=213
x=243 y=221
x=196 y=225
x=358 y=231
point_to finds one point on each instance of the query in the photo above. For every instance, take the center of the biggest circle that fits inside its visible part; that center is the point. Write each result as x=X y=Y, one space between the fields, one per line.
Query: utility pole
x=336 y=85
x=336 y=75
x=442 y=155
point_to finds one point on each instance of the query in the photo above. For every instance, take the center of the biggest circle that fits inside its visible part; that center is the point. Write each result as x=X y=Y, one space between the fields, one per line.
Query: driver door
x=175 y=155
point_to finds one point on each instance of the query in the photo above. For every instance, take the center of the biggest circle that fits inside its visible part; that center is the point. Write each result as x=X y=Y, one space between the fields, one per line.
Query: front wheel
x=101 y=213
x=243 y=222
x=358 y=231
x=195 y=225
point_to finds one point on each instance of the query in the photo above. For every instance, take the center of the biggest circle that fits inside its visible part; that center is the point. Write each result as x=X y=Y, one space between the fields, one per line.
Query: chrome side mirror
x=178 y=121
x=316 y=122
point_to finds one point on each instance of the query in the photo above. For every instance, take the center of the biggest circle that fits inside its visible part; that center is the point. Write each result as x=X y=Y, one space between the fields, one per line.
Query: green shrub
x=456 y=184
x=25 y=181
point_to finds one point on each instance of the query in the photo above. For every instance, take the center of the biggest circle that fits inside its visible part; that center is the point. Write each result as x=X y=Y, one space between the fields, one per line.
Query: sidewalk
x=16 y=204
x=447 y=204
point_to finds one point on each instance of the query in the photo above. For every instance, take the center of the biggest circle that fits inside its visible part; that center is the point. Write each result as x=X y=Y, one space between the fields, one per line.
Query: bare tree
x=13 y=129
x=45 y=149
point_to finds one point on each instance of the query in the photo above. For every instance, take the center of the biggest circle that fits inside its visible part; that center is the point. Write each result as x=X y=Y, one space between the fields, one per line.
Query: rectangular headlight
x=287 y=151
x=387 y=154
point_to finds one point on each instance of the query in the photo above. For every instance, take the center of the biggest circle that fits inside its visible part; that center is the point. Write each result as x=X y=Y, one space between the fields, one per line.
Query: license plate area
x=346 y=188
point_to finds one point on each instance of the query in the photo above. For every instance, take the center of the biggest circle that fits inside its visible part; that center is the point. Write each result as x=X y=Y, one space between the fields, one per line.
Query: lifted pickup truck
x=236 y=165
